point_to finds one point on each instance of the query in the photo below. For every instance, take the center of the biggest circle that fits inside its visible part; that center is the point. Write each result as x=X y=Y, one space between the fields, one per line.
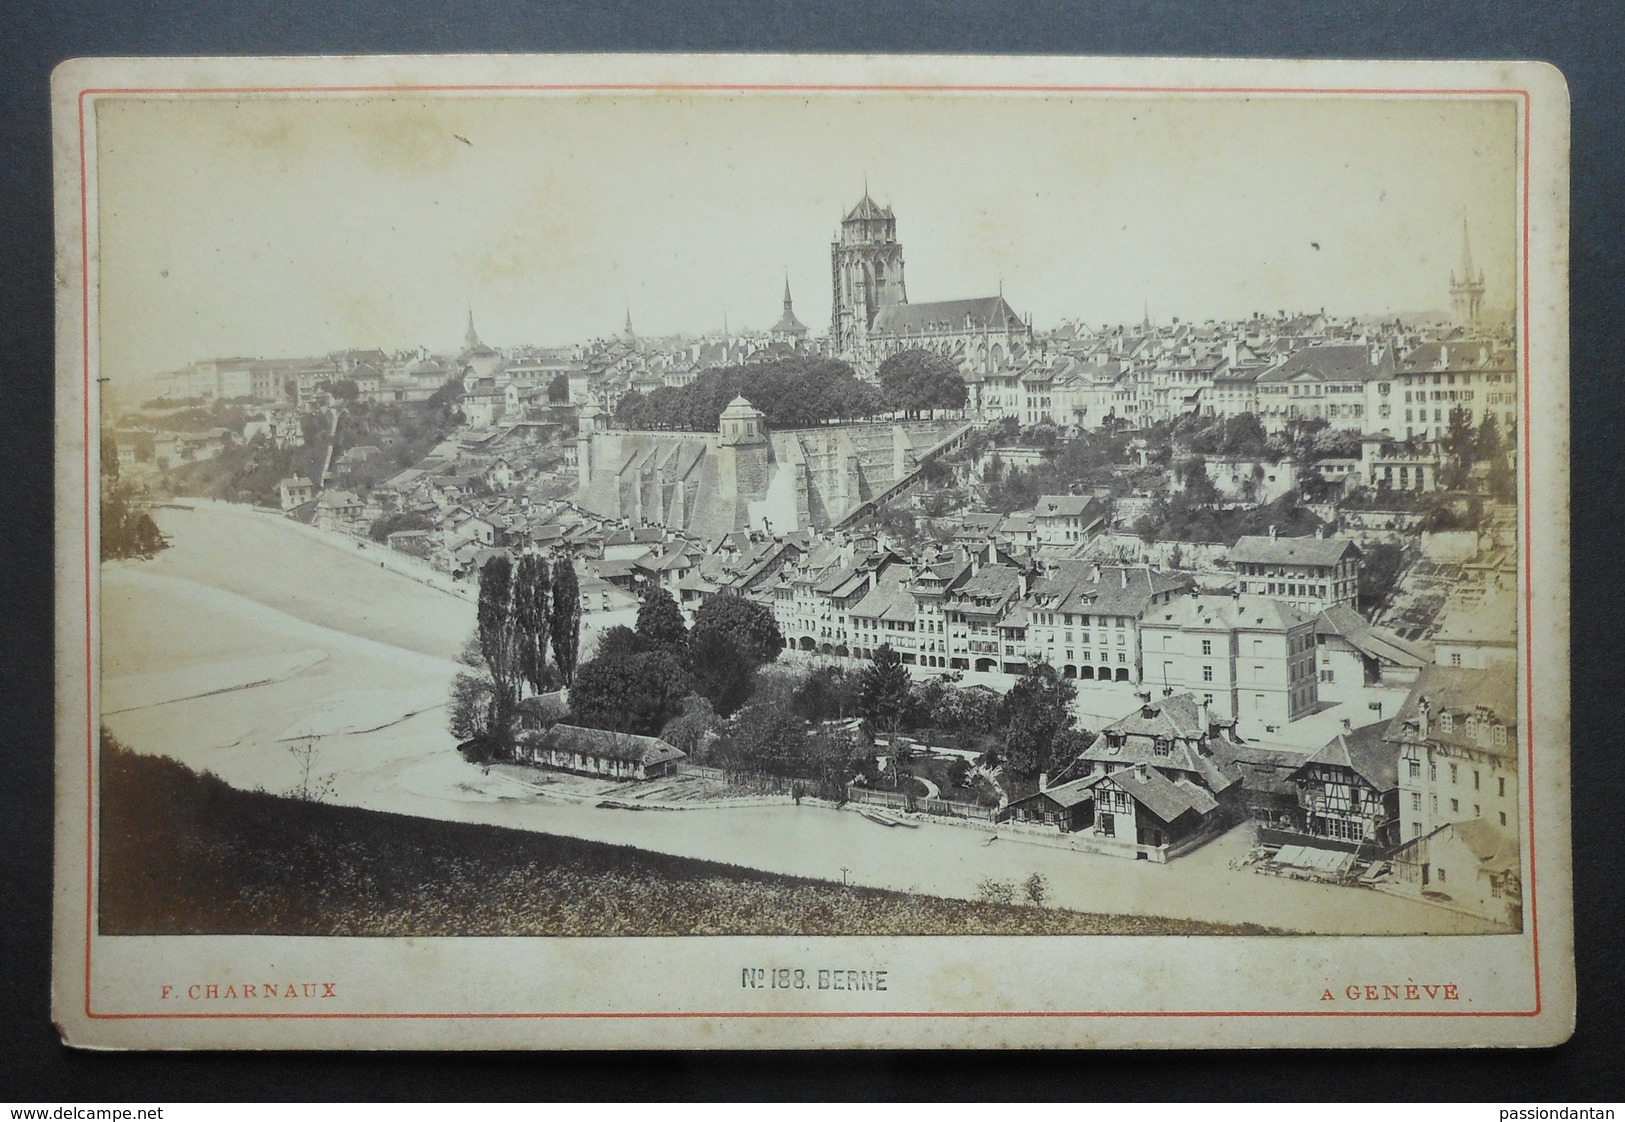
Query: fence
x=941 y=807
x=761 y=783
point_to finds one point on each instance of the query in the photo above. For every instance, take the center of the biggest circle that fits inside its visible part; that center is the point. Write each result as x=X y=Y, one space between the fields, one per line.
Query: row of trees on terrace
x=799 y=391
x=792 y=392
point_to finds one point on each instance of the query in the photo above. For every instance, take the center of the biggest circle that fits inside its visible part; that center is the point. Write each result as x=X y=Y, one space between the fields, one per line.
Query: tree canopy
x=747 y=623
x=637 y=693
x=915 y=380
x=883 y=690
x=1036 y=713
x=660 y=621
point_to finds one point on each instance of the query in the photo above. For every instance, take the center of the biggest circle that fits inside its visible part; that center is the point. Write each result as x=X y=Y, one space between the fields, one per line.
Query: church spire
x=1467 y=274
x=471 y=339
x=787 y=291
x=1467 y=287
x=628 y=328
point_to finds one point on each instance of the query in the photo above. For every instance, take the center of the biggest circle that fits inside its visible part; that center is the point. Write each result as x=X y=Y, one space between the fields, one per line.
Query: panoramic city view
x=588 y=535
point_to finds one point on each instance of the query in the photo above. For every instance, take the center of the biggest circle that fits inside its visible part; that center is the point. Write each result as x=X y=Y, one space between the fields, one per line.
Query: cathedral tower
x=866 y=264
x=1466 y=289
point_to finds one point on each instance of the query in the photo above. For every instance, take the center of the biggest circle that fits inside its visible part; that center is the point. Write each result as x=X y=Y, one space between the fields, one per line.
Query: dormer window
x=1163 y=747
x=1447 y=721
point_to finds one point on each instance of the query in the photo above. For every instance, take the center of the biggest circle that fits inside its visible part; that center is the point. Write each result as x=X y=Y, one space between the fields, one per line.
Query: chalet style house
x=1153 y=785
x=1348 y=795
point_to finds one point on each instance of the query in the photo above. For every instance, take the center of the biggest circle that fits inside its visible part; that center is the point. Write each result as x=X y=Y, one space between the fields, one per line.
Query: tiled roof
x=1164 y=797
x=1333 y=364
x=1225 y=613
x=608 y=745
x=1364 y=752
x=1265 y=550
x=984 y=311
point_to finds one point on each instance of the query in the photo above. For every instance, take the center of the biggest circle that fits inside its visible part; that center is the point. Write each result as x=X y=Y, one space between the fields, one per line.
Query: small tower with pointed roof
x=1466 y=286
x=742 y=423
x=789 y=329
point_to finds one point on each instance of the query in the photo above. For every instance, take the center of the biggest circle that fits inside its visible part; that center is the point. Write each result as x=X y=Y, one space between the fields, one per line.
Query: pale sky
x=281 y=227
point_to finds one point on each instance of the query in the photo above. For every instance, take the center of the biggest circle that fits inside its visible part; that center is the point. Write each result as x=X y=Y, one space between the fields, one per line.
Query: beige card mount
x=1135 y=616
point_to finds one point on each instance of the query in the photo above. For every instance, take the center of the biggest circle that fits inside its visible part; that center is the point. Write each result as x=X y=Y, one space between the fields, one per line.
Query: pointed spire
x=1146 y=323
x=629 y=319
x=787 y=290
x=471 y=339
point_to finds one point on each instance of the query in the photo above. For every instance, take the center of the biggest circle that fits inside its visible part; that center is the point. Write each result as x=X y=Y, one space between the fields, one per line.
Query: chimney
x=1348 y=725
x=1203 y=719
x=1320 y=533
x=1043 y=781
x=1272 y=531
x=1139 y=769
x=1424 y=710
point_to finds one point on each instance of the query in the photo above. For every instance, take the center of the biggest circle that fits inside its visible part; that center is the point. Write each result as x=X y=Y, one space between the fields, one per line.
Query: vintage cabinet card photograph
x=811 y=552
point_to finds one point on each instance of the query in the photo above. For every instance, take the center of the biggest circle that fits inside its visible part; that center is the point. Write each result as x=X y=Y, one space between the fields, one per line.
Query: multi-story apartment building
x=1066 y=519
x=1084 y=618
x=1250 y=657
x=973 y=611
x=1457 y=737
x=1349 y=386
x=1435 y=379
x=1313 y=573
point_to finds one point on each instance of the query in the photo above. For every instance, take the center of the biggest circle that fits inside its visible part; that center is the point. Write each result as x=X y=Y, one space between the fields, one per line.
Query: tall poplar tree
x=533 y=618
x=565 y=618
x=498 y=636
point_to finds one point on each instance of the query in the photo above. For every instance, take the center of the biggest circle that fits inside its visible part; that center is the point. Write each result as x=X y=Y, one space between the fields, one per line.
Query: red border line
x=91 y=739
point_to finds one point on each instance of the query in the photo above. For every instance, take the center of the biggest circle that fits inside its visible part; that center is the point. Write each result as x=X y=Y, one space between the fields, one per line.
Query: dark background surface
x=1584 y=40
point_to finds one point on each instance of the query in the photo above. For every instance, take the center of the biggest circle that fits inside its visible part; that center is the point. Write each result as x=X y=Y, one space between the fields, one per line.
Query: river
x=250 y=635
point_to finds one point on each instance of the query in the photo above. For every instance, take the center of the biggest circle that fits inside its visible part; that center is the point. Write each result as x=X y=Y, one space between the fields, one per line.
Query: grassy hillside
x=187 y=854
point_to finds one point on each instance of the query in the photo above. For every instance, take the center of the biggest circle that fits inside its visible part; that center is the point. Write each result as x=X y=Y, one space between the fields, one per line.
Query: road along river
x=250 y=635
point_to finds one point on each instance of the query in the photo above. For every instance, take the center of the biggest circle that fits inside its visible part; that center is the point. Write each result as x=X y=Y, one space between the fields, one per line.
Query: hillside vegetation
x=184 y=854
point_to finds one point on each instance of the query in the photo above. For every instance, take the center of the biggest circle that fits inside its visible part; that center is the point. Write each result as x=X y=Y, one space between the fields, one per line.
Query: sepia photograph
x=964 y=529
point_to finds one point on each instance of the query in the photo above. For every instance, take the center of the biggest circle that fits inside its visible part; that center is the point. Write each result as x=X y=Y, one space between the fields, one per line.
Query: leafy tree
x=970 y=710
x=750 y=625
x=394 y=523
x=448 y=399
x=694 y=729
x=1379 y=574
x=1487 y=443
x=660 y=622
x=637 y=693
x=533 y=618
x=619 y=640
x=1036 y=711
x=1036 y=889
x=915 y=380
x=883 y=690
x=832 y=756
x=126 y=530
x=724 y=673
x=564 y=618
x=767 y=736
x=827 y=693
x=469 y=713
